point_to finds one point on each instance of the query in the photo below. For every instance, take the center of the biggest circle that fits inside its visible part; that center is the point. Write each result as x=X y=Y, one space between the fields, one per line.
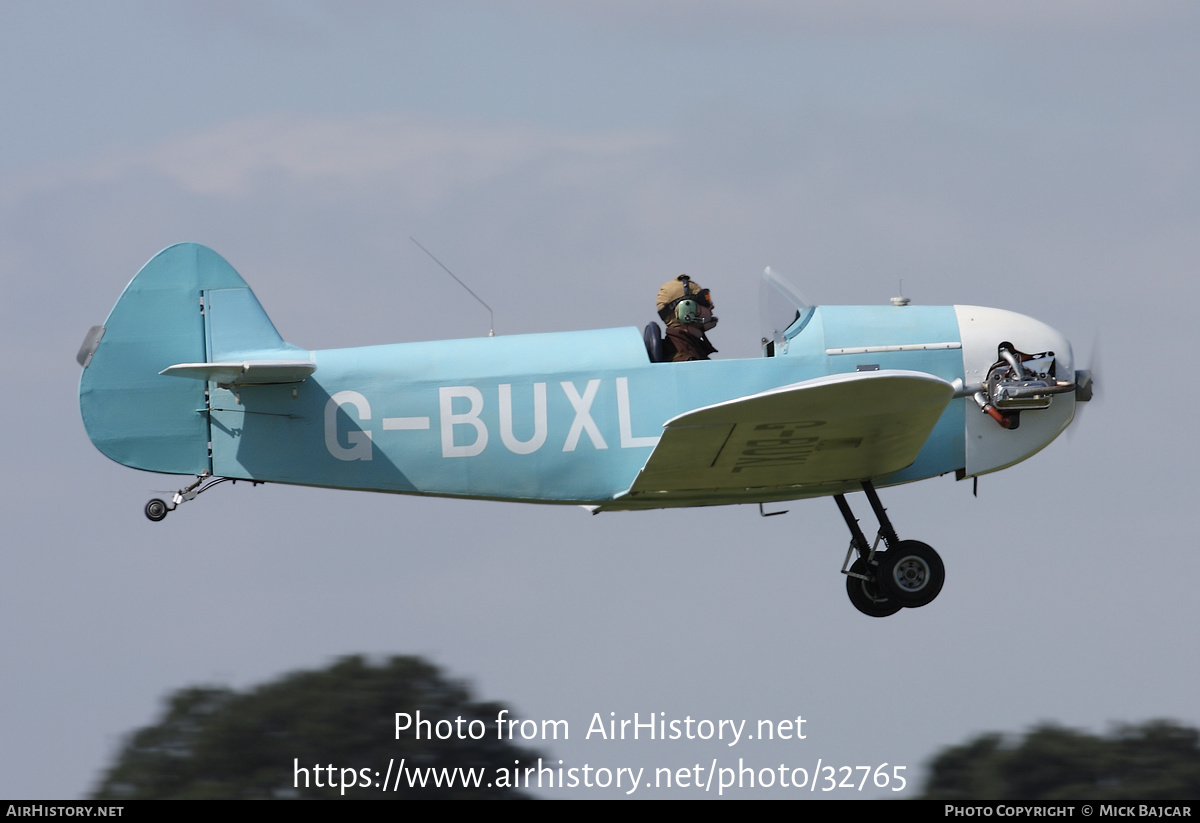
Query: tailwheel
x=910 y=574
x=156 y=509
x=864 y=591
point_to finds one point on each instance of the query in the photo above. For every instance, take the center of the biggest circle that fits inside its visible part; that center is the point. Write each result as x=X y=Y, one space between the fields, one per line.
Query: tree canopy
x=277 y=740
x=1157 y=760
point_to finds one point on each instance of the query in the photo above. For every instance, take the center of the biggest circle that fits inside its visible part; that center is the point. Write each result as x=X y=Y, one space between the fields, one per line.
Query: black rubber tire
x=864 y=594
x=156 y=510
x=911 y=574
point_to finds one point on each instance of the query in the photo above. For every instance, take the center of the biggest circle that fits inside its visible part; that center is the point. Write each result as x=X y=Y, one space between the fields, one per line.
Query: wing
x=813 y=437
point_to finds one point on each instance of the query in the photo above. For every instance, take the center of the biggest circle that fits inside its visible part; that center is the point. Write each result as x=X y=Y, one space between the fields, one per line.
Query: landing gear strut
x=157 y=508
x=907 y=574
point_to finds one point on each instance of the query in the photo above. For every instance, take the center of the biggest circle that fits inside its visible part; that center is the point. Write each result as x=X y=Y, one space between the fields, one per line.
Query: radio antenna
x=491 y=316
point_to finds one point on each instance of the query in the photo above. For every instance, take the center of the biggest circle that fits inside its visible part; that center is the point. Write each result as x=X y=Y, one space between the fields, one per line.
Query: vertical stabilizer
x=135 y=415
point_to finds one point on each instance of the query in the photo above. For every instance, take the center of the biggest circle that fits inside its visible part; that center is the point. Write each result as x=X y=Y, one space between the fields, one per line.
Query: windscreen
x=780 y=304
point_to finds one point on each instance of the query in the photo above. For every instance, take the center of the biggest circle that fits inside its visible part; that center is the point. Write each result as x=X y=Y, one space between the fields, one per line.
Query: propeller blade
x=1086 y=386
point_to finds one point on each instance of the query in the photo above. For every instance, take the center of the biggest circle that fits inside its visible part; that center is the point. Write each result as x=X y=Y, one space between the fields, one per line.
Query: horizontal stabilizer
x=245 y=373
x=838 y=429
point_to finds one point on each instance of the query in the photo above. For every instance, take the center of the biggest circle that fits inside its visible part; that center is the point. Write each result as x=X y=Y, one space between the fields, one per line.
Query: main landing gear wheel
x=910 y=574
x=907 y=575
x=864 y=594
x=156 y=509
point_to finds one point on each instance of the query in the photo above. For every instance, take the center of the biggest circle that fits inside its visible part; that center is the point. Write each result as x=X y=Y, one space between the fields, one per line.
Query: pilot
x=687 y=310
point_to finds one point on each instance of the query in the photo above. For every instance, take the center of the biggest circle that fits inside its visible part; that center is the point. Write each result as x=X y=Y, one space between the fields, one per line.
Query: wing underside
x=816 y=437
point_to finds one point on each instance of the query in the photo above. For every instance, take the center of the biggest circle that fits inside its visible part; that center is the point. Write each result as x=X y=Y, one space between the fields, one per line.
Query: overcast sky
x=565 y=160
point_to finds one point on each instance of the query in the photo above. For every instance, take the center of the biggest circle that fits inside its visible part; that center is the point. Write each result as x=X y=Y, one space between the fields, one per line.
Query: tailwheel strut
x=905 y=574
x=158 y=508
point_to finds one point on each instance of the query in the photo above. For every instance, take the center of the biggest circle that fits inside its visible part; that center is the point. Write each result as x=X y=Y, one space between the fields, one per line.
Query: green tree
x=1158 y=760
x=218 y=743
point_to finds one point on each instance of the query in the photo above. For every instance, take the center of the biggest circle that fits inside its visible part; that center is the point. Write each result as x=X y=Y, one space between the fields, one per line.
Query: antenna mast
x=491 y=316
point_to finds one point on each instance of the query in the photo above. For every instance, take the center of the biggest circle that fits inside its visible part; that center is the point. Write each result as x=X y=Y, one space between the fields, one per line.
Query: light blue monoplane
x=188 y=376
